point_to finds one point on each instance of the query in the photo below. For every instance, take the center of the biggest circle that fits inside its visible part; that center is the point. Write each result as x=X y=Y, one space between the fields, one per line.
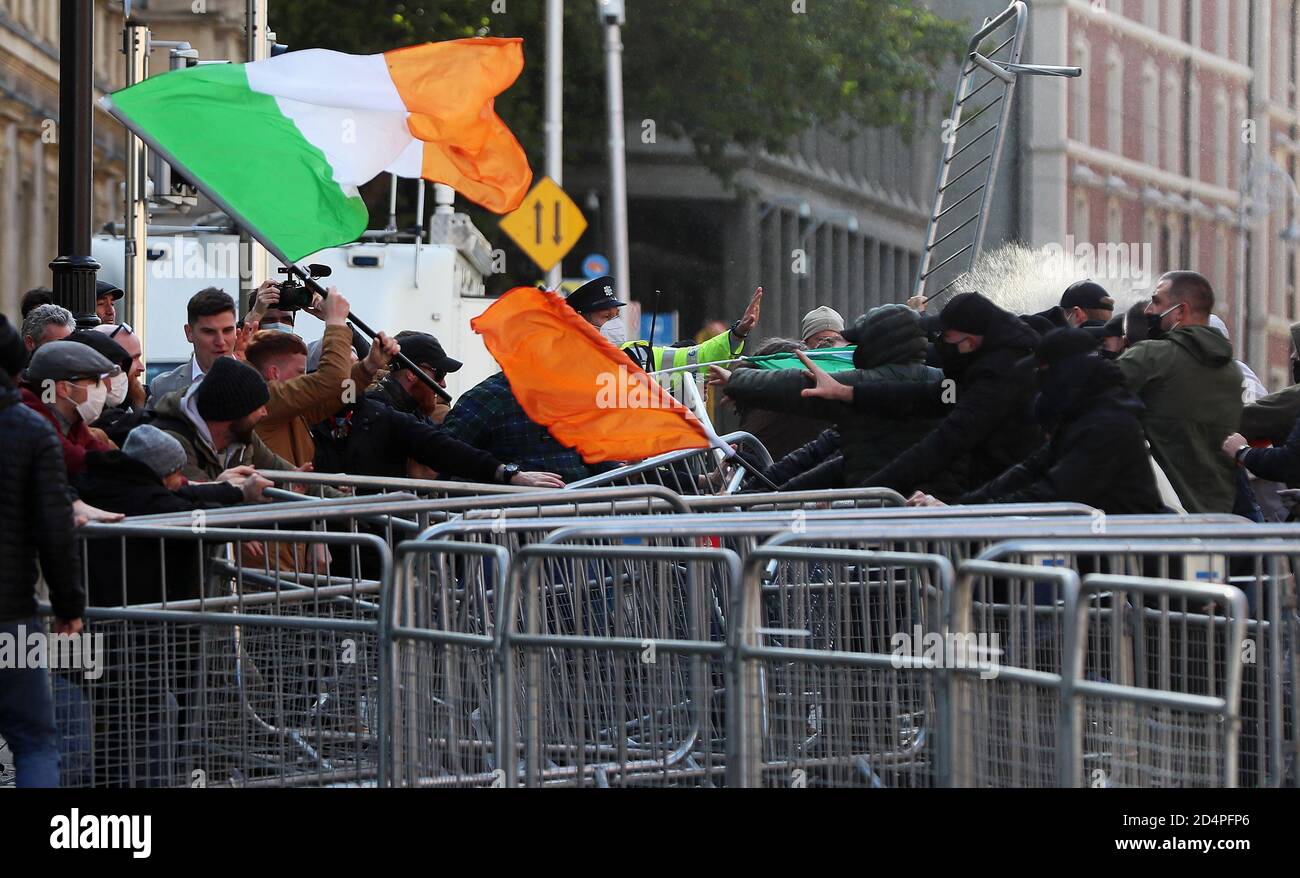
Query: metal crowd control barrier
x=443 y=703
x=1009 y=724
x=1177 y=725
x=249 y=681
x=609 y=675
x=424 y=488
x=690 y=471
x=862 y=498
x=1264 y=570
x=828 y=695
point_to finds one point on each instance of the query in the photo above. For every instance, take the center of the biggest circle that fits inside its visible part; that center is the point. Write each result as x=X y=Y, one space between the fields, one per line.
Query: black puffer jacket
x=117 y=483
x=1097 y=451
x=891 y=348
x=989 y=424
x=35 y=515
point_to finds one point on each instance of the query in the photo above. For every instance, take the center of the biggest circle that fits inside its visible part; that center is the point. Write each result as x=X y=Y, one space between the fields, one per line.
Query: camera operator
x=299 y=398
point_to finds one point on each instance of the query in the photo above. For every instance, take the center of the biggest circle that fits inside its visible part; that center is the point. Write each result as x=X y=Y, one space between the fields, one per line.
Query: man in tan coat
x=299 y=399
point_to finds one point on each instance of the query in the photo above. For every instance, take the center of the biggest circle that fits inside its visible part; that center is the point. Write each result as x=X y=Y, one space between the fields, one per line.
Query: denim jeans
x=27 y=716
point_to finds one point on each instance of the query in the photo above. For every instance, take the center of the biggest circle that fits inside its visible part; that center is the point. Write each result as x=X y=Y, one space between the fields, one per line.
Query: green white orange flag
x=585 y=391
x=282 y=144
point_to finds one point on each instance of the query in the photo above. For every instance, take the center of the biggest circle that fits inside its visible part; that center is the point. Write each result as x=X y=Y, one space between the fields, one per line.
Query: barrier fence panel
x=612 y=673
x=230 y=679
x=443 y=689
x=831 y=692
x=688 y=472
x=1264 y=571
x=1177 y=724
x=1008 y=646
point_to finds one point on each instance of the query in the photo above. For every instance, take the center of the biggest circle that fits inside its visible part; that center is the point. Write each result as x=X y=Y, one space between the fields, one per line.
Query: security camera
x=610 y=11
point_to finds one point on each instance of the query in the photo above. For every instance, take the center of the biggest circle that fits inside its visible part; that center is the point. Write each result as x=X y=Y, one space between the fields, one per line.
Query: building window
x=1151 y=13
x=1221 y=262
x=1081 y=115
x=1114 y=102
x=1172 y=136
x=1194 y=129
x=1222 y=137
x=1150 y=126
x=1222 y=27
x=1082 y=230
x=1174 y=18
x=1114 y=221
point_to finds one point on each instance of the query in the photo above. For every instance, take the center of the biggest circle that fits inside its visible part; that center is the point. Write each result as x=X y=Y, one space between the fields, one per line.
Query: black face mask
x=1108 y=355
x=953 y=360
x=1154 y=328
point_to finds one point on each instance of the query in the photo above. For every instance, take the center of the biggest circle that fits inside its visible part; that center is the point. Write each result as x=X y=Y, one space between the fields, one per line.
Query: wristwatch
x=506 y=472
x=735 y=330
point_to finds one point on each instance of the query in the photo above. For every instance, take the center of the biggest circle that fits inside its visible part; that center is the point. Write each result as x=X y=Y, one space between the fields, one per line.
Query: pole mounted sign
x=546 y=225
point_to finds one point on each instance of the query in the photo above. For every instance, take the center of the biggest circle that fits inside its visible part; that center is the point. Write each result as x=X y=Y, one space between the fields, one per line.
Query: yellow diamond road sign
x=546 y=225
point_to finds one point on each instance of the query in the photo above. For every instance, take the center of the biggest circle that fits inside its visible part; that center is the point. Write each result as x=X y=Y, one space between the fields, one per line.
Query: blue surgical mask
x=278 y=327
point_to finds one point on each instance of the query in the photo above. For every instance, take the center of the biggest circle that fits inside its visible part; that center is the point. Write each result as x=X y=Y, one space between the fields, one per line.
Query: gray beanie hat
x=819 y=320
x=158 y=450
x=888 y=334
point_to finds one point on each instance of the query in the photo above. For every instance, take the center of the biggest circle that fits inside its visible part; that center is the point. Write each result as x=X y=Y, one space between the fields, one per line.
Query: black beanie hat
x=229 y=391
x=968 y=312
x=888 y=334
x=13 y=353
x=1061 y=343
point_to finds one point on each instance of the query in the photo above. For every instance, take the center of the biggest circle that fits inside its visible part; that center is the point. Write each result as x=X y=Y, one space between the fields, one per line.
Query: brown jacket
x=298 y=403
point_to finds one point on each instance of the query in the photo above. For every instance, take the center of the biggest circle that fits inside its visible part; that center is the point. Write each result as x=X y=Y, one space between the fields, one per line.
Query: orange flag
x=449 y=90
x=587 y=392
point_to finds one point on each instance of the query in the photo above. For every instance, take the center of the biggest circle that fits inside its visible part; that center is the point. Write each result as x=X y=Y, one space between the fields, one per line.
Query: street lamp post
x=74 y=270
x=555 y=110
x=611 y=16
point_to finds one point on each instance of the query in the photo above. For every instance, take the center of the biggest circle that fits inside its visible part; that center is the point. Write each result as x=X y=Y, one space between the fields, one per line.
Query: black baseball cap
x=594 y=295
x=422 y=347
x=1088 y=295
x=113 y=351
x=104 y=288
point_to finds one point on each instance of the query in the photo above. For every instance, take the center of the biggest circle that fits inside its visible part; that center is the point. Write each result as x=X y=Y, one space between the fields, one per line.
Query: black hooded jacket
x=1096 y=453
x=988 y=422
x=35 y=514
x=890 y=350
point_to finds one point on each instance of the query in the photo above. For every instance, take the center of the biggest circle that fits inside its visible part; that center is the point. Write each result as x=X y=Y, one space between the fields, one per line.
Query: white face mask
x=93 y=406
x=615 y=331
x=117 y=390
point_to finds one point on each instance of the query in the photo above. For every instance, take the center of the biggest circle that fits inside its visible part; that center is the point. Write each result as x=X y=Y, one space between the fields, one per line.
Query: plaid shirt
x=488 y=417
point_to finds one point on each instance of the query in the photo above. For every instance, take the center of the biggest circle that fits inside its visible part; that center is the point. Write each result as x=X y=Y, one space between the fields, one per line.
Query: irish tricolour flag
x=282 y=144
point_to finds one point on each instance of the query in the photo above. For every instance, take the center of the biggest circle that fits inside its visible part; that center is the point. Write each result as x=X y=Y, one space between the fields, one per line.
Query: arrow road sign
x=546 y=225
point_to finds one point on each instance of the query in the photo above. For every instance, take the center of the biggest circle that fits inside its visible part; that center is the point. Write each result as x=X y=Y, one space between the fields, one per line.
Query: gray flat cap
x=68 y=360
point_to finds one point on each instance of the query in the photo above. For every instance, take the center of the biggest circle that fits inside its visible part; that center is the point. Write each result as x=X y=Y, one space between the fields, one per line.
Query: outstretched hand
x=750 y=318
x=824 y=386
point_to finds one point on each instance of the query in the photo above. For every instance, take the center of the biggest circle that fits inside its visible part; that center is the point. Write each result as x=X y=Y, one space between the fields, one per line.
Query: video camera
x=293 y=294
